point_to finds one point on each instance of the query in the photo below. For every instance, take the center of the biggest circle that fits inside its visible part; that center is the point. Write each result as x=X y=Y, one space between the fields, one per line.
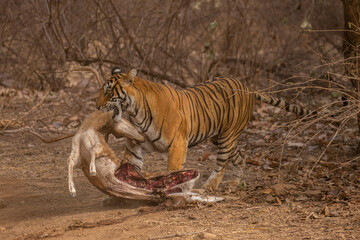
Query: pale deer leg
x=96 y=152
x=89 y=143
x=92 y=163
x=73 y=161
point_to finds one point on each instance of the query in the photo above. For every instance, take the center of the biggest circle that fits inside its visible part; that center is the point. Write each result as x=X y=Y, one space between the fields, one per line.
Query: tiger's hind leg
x=226 y=150
x=239 y=163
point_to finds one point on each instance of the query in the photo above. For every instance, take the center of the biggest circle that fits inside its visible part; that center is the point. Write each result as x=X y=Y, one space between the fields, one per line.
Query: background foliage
x=182 y=42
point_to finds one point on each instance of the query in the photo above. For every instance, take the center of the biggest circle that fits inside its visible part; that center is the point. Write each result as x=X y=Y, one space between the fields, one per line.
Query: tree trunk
x=351 y=46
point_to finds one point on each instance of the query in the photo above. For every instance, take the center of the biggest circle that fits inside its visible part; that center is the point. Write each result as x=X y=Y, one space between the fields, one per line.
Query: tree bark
x=351 y=46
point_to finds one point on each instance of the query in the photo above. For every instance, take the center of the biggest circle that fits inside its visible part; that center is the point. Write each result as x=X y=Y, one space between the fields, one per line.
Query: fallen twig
x=100 y=223
x=14 y=130
x=176 y=235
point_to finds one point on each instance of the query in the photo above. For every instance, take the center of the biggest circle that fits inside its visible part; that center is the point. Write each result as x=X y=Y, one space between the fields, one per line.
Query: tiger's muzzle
x=111 y=107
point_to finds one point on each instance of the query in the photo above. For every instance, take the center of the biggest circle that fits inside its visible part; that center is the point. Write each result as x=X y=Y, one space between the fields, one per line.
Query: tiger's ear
x=131 y=75
x=115 y=70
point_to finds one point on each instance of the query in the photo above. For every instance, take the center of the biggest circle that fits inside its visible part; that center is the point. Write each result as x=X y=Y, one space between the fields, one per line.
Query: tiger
x=175 y=119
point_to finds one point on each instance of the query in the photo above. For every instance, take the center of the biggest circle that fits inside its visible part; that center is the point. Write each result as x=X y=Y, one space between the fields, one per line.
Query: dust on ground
x=279 y=200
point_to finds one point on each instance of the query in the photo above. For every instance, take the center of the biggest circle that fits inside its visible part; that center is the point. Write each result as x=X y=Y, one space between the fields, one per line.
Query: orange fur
x=173 y=120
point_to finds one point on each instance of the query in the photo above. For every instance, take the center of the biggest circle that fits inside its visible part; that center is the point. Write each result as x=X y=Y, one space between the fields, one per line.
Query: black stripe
x=190 y=140
x=301 y=111
x=222 y=114
x=136 y=156
x=287 y=106
x=271 y=101
x=221 y=160
x=234 y=154
x=232 y=88
x=142 y=121
x=192 y=109
x=172 y=140
x=226 y=152
x=158 y=138
x=114 y=86
x=215 y=101
x=171 y=91
x=219 y=89
x=150 y=118
x=117 y=92
x=229 y=110
x=277 y=102
x=148 y=84
x=181 y=123
x=206 y=111
x=198 y=105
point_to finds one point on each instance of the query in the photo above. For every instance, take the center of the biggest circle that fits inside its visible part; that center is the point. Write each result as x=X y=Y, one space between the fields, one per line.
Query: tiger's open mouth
x=111 y=108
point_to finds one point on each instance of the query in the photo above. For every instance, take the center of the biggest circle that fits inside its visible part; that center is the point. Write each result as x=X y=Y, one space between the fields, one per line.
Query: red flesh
x=128 y=174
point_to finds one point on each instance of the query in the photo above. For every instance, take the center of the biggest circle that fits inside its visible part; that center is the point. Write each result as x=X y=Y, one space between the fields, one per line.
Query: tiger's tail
x=281 y=103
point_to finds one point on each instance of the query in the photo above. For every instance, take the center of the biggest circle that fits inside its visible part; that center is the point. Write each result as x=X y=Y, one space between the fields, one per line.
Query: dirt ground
x=288 y=193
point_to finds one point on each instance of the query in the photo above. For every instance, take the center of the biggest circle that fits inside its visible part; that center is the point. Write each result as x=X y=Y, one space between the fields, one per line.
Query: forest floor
x=289 y=193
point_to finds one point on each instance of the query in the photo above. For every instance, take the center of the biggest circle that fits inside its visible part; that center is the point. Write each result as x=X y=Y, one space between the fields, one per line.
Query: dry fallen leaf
x=204 y=157
x=267 y=191
x=282 y=188
x=326 y=211
x=253 y=162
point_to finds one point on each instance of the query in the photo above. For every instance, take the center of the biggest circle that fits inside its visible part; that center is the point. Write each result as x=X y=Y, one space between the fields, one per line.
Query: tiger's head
x=113 y=95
